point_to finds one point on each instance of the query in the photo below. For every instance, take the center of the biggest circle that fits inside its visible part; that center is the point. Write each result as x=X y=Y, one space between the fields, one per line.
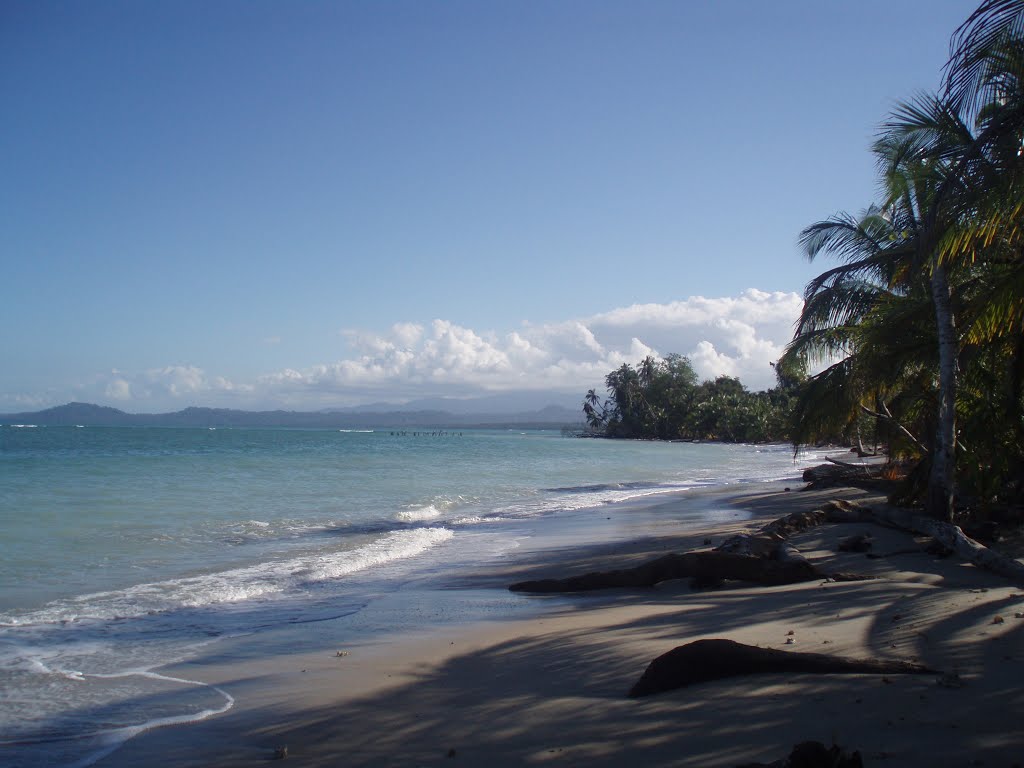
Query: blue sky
x=262 y=204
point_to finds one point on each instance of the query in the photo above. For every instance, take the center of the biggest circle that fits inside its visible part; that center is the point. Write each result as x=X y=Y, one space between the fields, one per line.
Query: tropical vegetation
x=662 y=399
x=917 y=335
x=921 y=326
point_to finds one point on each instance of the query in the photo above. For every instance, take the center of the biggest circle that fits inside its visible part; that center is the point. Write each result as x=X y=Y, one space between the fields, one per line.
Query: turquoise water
x=123 y=549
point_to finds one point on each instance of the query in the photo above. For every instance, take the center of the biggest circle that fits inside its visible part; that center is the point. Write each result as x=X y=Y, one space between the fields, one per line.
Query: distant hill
x=91 y=415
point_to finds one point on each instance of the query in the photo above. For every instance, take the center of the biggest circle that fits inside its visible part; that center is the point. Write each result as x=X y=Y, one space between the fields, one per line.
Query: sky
x=308 y=205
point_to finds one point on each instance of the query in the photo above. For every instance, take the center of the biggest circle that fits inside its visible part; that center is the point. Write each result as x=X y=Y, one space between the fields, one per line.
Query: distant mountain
x=91 y=415
x=71 y=414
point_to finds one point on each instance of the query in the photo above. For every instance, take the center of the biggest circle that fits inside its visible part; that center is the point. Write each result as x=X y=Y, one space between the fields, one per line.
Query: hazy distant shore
x=549 y=686
x=381 y=417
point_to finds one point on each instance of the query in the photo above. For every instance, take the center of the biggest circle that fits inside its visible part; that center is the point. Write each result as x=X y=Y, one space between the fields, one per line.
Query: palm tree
x=591 y=402
x=947 y=242
x=848 y=318
x=923 y=173
x=888 y=255
x=980 y=196
x=968 y=71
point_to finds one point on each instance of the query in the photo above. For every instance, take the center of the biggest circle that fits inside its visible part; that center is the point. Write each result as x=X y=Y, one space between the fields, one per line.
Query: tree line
x=919 y=329
x=662 y=399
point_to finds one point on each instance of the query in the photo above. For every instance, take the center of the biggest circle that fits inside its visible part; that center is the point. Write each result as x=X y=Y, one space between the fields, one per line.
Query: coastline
x=546 y=683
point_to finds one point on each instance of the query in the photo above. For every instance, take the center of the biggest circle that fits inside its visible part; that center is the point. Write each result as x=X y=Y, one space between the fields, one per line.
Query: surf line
x=115 y=738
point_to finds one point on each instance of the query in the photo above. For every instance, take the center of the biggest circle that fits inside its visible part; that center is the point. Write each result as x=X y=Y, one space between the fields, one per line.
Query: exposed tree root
x=766 y=557
x=709 y=567
x=705 y=660
x=814 y=754
x=952 y=537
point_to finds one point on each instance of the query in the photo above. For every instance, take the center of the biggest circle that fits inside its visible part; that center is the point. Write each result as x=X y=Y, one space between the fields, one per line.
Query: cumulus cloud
x=168 y=386
x=735 y=336
x=119 y=389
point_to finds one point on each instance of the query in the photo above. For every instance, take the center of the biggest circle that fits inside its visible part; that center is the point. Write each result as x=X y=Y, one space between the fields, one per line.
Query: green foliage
x=921 y=324
x=662 y=399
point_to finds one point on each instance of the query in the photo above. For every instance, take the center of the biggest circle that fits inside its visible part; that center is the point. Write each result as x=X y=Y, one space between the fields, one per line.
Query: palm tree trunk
x=939 y=502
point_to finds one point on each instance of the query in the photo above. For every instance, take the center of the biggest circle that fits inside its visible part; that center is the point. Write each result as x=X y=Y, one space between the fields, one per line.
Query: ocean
x=123 y=550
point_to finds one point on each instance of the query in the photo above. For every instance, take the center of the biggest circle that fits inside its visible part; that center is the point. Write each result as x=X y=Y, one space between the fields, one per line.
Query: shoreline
x=547 y=685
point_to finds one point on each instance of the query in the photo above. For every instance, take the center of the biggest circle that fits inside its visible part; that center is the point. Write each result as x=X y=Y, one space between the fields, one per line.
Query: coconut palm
x=888 y=256
x=591 y=403
x=848 y=318
x=969 y=69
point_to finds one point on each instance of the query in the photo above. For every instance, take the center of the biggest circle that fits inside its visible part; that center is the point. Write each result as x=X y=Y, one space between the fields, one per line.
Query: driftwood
x=814 y=754
x=705 y=660
x=952 y=537
x=838 y=472
x=766 y=557
x=838 y=511
x=709 y=567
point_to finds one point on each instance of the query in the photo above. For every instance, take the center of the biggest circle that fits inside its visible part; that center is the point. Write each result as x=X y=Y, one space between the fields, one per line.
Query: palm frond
x=967 y=71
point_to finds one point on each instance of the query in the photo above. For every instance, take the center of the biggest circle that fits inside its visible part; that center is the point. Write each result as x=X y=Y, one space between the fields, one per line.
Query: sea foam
x=255 y=581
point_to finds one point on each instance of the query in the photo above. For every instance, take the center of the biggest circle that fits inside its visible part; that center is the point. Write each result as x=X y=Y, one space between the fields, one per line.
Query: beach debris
x=838 y=472
x=714 y=659
x=341 y=654
x=998 y=619
x=709 y=567
x=280 y=753
x=1019 y=615
x=814 y=754
x=790 y=641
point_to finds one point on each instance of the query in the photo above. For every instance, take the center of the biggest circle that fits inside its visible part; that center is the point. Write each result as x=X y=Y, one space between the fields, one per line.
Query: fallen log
x=838 y=511
x=707 y=566
x=814 y=754
x=837 y=472
x=705 y=660
x=767 y=558
x=764 y=558
x=952 y=537
x=862 y=467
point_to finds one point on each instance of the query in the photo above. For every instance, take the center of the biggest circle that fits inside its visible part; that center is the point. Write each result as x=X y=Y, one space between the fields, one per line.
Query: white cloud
x=407 y=334
x=170 y=386
x=119 y=389
x=736 y=336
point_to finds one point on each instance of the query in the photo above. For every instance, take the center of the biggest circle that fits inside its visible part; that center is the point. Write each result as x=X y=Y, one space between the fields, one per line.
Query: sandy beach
x=550 y=689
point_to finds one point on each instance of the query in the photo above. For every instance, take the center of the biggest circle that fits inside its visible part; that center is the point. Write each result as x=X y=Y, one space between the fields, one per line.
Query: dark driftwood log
x=707 y=566
x=704 y=660
x=814 y=754
x=766 y=558
x=840 y=473
x=952 y=537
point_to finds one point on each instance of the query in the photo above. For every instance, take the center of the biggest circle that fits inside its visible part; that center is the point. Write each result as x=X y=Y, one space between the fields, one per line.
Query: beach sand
x=551 y=689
